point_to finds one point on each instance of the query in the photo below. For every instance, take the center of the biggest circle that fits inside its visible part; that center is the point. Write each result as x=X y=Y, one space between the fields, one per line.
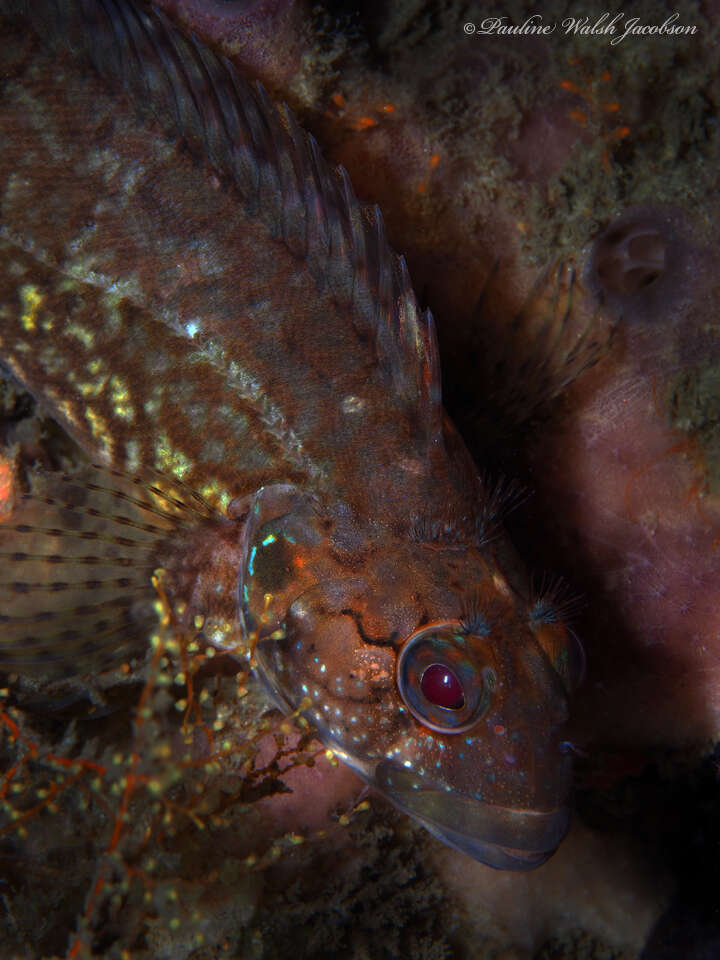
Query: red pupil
x=442 y=688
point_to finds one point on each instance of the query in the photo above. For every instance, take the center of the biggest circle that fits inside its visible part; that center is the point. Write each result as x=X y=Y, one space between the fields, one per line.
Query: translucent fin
x=276 y=167
x=557 y=334
x=77 y=556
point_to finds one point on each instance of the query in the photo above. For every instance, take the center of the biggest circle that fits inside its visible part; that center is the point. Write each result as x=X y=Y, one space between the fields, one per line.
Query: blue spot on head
x=252 y=561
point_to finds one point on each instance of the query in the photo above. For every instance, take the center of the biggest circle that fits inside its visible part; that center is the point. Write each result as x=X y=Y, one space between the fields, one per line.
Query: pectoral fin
x=77 y=557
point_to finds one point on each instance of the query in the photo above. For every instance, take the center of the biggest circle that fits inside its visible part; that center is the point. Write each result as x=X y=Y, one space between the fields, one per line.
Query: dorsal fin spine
x=276 y=167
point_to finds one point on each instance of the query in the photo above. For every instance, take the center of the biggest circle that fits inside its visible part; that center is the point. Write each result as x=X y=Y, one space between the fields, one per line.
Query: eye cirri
x=444 y=684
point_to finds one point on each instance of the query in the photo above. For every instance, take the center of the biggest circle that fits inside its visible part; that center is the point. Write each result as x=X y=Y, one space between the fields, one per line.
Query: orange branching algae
x=597 y=108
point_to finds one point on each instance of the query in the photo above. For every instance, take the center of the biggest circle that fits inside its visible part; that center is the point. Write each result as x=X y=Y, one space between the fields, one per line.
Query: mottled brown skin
x=203 y=331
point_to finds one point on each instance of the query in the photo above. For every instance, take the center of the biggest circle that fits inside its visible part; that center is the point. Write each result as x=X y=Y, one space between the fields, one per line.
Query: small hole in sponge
x=630 y=258
x=648 y=264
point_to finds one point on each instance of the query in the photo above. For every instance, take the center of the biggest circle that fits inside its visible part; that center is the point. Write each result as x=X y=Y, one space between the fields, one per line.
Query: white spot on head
x=352 y=404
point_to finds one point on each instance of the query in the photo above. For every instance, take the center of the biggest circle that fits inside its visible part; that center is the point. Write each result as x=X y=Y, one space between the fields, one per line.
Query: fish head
x=421 y=668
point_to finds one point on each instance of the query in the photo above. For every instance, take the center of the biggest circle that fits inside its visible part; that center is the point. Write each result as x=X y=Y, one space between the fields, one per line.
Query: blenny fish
x=205 y=307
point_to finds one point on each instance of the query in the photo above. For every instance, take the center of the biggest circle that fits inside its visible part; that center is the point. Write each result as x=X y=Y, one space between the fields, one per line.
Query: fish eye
x=442 y=680
x=441 y=687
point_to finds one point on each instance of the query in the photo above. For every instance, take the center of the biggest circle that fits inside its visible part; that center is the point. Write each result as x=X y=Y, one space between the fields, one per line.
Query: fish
x=206 y=309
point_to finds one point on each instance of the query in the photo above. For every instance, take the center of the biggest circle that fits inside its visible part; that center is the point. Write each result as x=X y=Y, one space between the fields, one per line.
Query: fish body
x=211 y=314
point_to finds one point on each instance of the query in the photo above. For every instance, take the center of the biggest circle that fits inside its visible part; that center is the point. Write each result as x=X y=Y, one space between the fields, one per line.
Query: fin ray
x=76 y=588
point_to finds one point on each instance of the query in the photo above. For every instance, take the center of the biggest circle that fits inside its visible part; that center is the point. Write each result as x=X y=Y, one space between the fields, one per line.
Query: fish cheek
x=343 y=685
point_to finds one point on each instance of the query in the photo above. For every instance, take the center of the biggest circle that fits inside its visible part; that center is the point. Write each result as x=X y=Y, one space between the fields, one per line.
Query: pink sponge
x=633 y=461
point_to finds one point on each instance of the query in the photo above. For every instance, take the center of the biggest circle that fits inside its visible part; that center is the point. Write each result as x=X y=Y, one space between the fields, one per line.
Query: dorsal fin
x=276 y=167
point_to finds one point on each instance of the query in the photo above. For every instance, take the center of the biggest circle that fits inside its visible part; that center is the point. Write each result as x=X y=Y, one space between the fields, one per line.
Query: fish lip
x=496 y=855
x=502 y=837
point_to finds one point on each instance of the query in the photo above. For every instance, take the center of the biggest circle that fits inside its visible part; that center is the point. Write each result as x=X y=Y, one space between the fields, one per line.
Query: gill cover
x=284 y=552
x=293 y=589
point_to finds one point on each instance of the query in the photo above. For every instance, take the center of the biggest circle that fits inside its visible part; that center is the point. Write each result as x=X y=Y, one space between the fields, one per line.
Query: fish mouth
x=505 y=838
